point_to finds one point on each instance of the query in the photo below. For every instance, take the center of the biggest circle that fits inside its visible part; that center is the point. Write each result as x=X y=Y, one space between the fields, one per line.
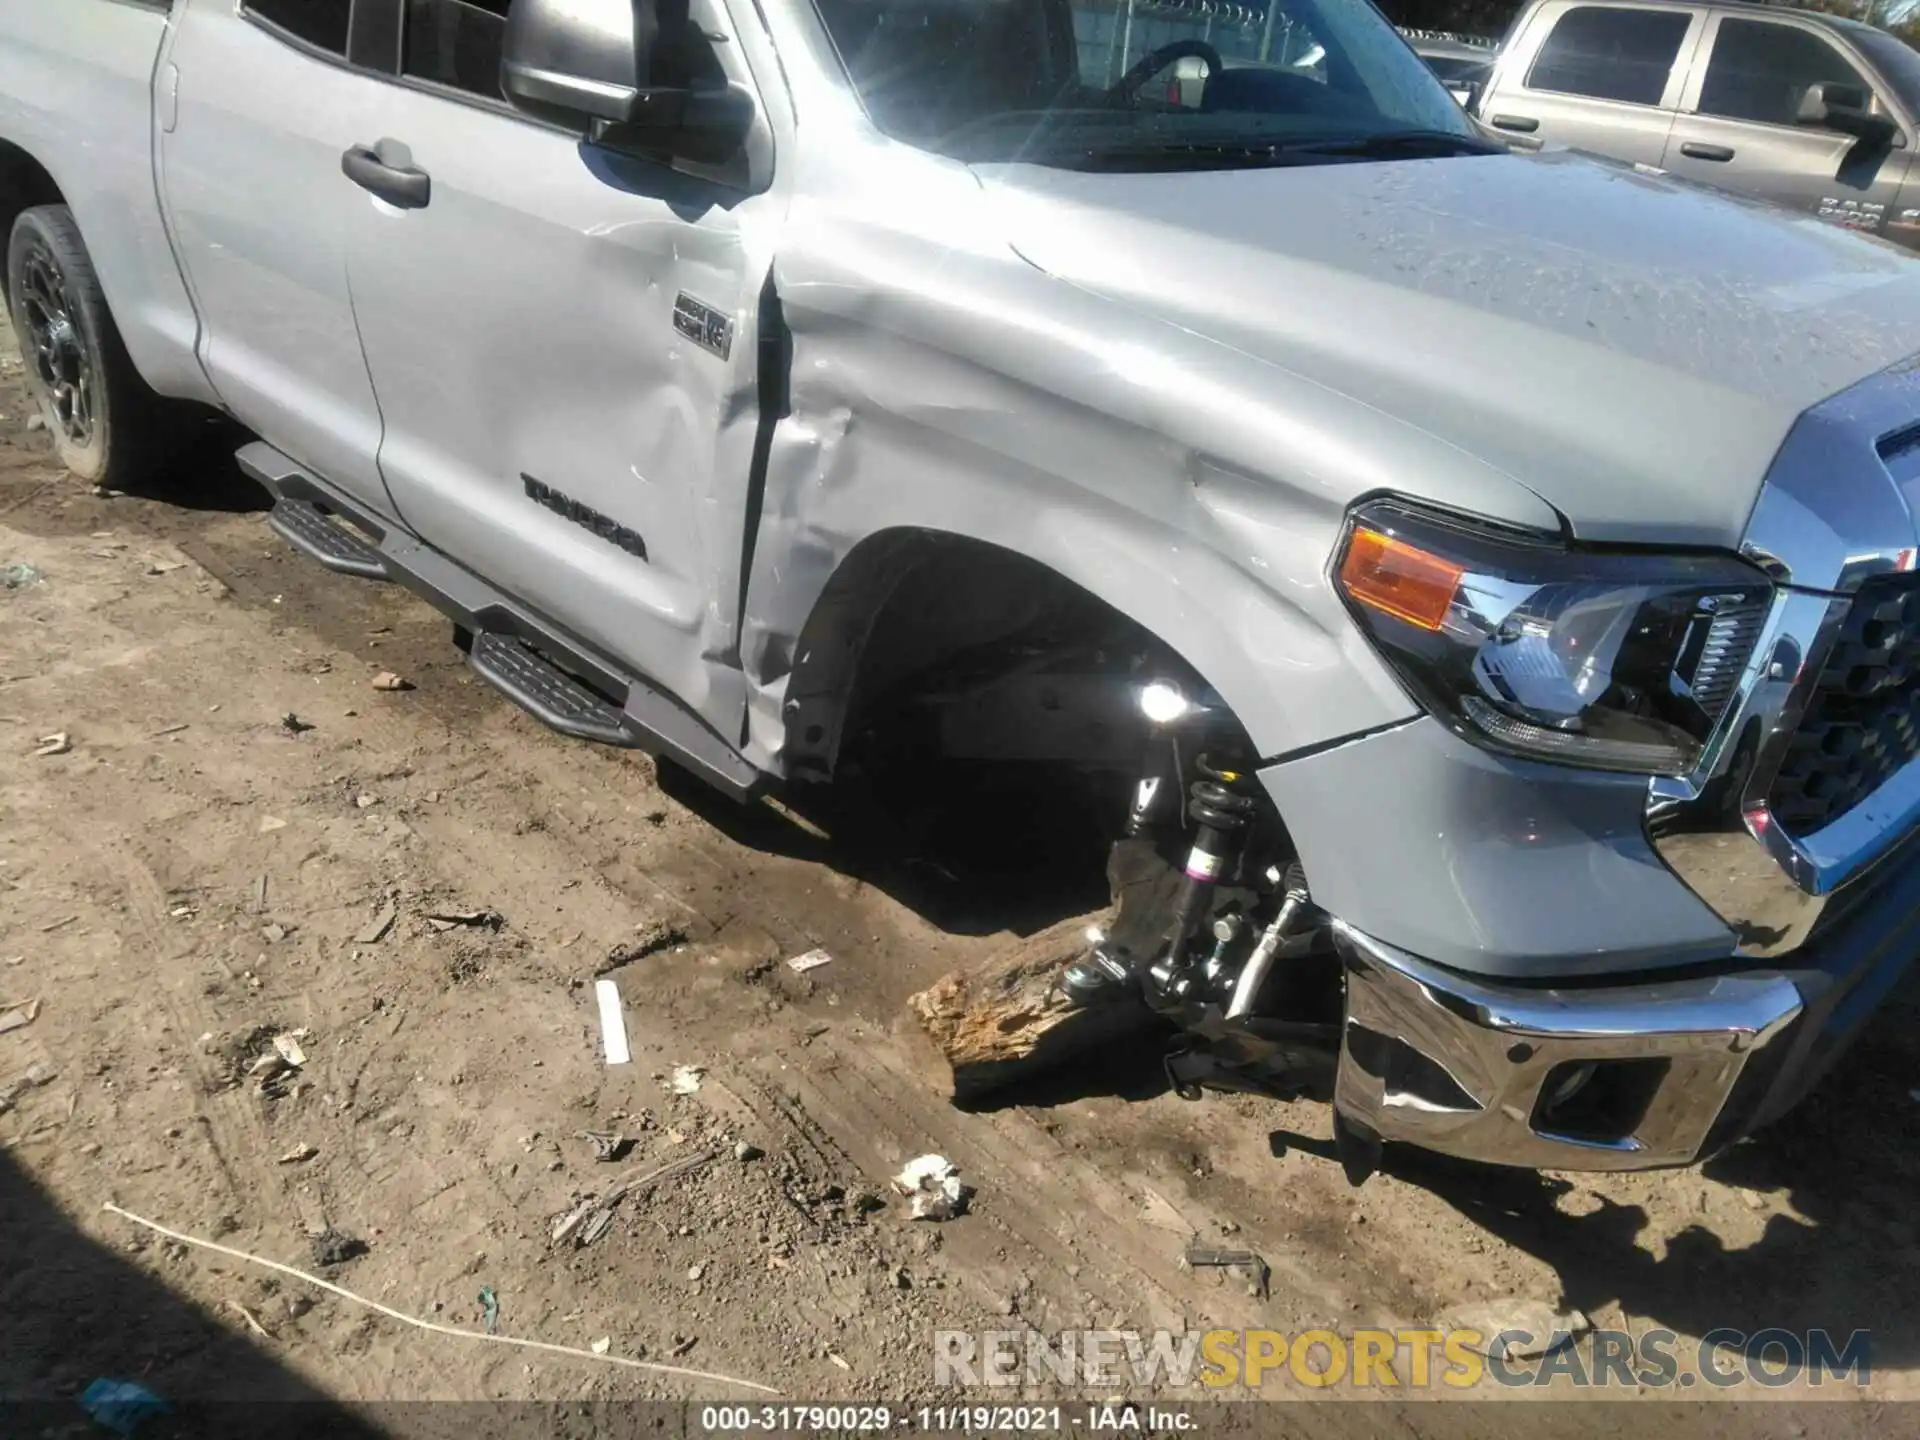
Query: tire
x=108 y=426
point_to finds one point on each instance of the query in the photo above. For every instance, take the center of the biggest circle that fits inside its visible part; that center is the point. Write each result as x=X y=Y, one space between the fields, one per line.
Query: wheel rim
x=55 y=348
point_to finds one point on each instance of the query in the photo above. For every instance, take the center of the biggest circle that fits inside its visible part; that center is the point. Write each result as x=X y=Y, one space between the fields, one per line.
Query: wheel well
x=989 y=709
x=931 y=643
x=24 y=183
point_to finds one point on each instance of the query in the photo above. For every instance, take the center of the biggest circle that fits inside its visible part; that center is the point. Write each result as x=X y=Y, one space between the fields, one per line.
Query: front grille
x=1862 y=723
x=1724 y=649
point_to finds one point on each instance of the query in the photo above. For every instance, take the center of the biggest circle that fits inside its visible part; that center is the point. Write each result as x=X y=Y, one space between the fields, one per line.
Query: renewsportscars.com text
x=1416 y=1359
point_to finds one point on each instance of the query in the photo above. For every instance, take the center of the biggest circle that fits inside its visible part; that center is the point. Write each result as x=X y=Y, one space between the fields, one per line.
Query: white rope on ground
x=420 y=1324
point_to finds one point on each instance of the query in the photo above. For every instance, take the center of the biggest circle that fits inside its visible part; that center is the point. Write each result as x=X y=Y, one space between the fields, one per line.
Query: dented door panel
x=547 y=420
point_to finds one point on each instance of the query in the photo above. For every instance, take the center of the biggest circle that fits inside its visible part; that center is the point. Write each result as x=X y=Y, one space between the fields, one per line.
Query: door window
x=318 y=22
x=1760 y=70
x=456 y=43
x=1611 y=54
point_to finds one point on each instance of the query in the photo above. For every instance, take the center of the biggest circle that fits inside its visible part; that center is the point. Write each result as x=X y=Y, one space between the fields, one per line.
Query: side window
x=456 y=43
x=1759 y=71
x=318 y=22
x=1611 y=54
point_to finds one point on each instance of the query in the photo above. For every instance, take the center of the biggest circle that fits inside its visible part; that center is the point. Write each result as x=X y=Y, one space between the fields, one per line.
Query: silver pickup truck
x=1481 y=587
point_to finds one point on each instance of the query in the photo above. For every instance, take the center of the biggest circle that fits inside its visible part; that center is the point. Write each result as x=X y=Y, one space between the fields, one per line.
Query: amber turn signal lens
x=1398 y=579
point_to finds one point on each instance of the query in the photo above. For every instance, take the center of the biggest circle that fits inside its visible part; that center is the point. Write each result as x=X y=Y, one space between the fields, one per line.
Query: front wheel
x=105 y=421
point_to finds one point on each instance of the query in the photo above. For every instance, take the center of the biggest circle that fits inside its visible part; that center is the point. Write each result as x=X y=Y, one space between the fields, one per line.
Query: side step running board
x=304 y=526
x=652 y=721
x=554 y=678
x=547 y=692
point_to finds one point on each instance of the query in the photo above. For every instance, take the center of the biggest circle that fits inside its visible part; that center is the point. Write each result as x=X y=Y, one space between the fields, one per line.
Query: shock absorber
x=1223 y=811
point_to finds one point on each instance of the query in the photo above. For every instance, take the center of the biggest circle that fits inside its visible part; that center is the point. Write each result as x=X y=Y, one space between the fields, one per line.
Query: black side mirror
x=1846 y=108
x=589 y=65
x=574 y=60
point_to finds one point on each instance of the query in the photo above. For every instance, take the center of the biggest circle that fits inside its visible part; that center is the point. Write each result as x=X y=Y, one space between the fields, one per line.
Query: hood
x=1630 y=348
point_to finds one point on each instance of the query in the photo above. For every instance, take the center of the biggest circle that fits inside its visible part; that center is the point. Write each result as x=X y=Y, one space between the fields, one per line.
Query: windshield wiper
x=1400 y=142
x=1177 y=155
x=1169 y=153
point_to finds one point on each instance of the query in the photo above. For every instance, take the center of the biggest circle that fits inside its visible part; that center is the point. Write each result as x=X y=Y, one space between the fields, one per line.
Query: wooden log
x=1006 y=1021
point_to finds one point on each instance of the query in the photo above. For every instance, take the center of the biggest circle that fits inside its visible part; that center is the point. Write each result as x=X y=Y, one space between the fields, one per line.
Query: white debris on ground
x=613 y=1023
x=933 y=1182
x=288 y=1046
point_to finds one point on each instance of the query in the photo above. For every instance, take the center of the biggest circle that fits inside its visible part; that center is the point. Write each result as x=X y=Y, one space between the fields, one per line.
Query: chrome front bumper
x=1441 y=1060
x=1645 y=1071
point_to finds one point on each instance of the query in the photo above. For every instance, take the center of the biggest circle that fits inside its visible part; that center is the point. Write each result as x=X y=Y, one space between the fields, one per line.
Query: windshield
x=1148 y=84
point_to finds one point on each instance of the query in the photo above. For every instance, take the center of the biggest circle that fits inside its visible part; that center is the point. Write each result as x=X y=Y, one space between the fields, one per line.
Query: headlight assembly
x=1614 y=659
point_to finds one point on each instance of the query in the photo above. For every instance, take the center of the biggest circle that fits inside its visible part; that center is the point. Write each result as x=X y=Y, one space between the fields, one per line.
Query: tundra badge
x=703 y=324
x=568 y=508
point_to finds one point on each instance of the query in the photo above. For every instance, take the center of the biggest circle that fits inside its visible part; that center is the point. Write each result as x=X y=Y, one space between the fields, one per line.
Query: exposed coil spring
x=1216 y=803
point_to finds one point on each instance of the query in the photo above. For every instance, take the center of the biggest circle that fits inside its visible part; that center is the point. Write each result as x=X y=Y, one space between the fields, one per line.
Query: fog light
x=1570 y=1084
x=1598 y=1102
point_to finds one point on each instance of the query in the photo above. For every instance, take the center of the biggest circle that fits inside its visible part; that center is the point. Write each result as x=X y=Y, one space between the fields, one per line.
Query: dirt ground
x=196 y=873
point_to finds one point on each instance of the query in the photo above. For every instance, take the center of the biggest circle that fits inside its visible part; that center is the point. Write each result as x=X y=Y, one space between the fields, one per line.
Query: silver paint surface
x=1167 y=388
x=259 y=212
x=76 y=93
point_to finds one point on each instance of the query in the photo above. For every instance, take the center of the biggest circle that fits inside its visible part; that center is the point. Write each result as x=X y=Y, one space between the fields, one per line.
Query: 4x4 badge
x=703 y=324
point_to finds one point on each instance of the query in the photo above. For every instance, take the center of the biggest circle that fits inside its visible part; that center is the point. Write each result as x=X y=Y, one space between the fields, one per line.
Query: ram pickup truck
x=1482 y=585
x=1808 y=110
